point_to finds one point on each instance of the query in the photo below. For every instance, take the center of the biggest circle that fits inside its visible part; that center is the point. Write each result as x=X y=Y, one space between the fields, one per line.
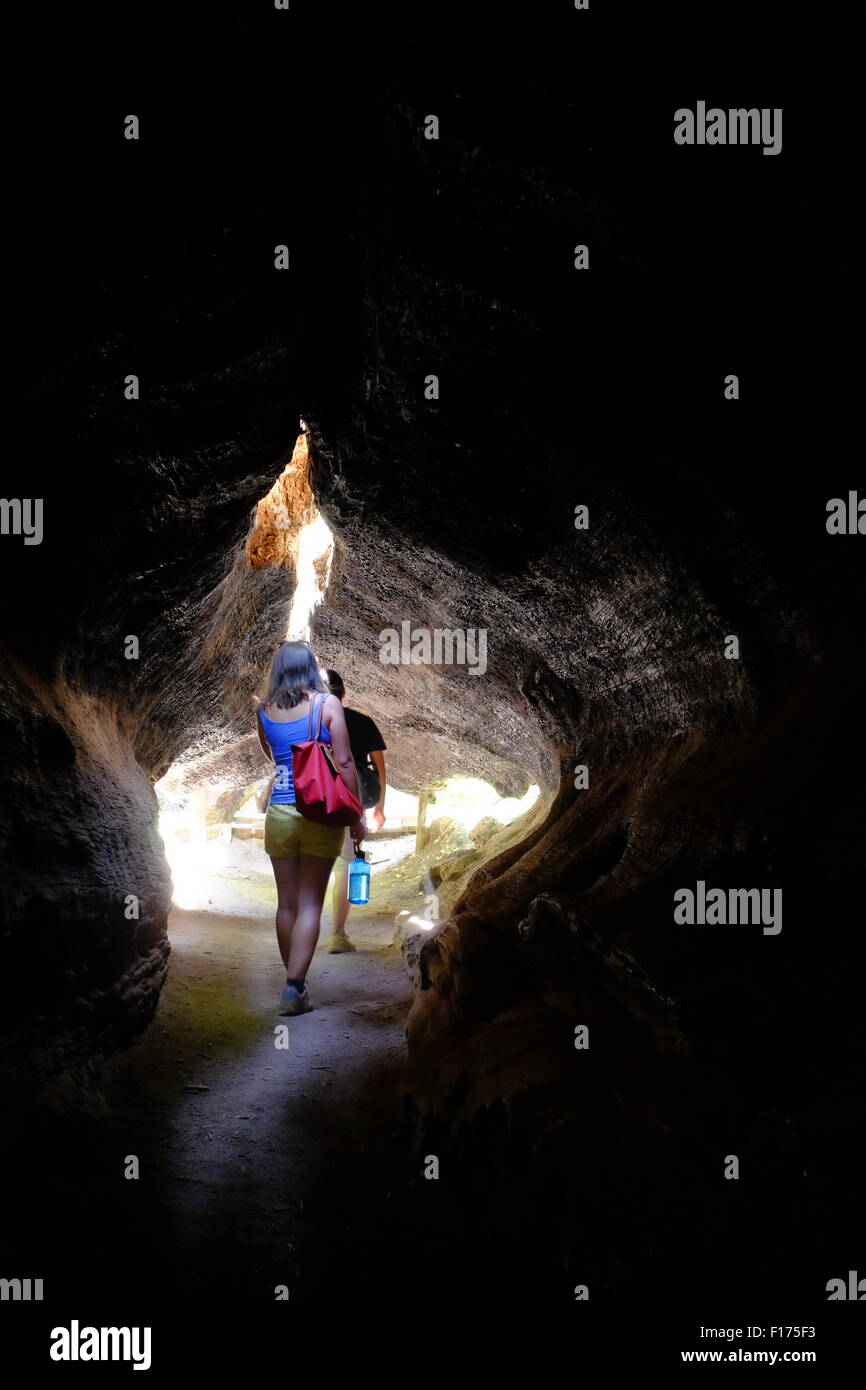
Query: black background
x=270 y=124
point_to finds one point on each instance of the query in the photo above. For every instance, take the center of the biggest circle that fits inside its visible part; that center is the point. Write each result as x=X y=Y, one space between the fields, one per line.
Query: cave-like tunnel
x=588 y=592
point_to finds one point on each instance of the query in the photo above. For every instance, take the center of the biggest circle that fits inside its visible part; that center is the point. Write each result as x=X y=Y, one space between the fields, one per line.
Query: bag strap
x=310 y=723
x=264 y=735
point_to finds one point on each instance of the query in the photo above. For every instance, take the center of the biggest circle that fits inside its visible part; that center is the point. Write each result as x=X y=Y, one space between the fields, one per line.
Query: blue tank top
x=281 y=734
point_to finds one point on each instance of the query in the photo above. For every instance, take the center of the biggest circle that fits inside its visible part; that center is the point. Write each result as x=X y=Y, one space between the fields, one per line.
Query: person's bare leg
x=340 y=897
x=313 y=874
x=286 y=875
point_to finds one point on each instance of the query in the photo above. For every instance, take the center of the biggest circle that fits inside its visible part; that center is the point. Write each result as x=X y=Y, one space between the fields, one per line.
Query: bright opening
x=468 y=800
x=195 y=850
x=312 y=575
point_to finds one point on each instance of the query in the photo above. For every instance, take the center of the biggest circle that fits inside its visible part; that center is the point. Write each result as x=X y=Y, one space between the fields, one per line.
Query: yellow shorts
x=288 y=833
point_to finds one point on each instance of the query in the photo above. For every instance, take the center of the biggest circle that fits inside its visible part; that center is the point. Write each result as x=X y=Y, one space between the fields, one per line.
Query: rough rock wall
x=606 y=647
x=147 y=507
x=79 y=836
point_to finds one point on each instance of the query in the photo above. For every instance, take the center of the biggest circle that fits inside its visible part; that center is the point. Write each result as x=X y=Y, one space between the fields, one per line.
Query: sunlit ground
x=206 y=860
x=469 y=800
x=194 y=860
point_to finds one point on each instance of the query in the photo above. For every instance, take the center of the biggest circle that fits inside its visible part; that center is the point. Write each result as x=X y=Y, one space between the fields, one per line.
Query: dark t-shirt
x=364 y=737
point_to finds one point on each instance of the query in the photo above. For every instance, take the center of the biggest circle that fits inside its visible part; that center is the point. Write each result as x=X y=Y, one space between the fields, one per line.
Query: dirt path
x=259 y=1165
x=264 y=1165
x=248 y=1158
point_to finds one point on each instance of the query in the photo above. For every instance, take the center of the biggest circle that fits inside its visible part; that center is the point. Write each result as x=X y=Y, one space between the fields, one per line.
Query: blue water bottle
x=359 y=879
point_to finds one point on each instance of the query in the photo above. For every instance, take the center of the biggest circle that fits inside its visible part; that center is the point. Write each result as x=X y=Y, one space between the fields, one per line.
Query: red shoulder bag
x=320 y=792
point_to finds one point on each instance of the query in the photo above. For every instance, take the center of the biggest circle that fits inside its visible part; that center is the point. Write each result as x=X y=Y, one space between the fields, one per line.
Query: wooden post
x=421 y=827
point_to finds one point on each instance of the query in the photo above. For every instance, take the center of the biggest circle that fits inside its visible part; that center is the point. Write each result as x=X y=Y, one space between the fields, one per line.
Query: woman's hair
x=294 y=675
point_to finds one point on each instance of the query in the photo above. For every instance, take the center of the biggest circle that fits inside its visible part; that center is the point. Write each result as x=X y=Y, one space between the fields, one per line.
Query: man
x=368 y=749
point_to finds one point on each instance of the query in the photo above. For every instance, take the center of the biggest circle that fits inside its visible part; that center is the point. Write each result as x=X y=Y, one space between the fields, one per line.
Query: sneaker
x=293 y=1002
x=339 y=942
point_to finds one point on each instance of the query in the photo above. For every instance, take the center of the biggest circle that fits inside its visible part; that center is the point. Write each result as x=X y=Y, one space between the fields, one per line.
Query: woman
x=302 y=853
